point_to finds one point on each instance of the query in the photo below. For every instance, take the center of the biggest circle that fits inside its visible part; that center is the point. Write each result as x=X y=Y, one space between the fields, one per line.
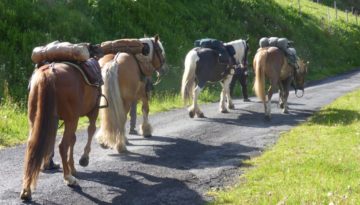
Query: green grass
x=13 y=124
x=315 y=163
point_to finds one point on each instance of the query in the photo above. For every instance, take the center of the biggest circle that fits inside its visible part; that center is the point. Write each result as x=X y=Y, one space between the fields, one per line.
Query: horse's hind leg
x=145 y=127
x=195 y=109
x=84 y=160
x=64 y=147
x=227 y=81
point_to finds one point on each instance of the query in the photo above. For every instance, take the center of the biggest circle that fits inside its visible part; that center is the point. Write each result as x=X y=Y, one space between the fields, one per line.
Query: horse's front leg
x=194 y=108
x=145 y=127
x=84 y=160
x=285 y=94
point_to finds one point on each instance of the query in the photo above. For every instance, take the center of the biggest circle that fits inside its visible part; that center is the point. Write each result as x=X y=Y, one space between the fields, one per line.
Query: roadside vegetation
x=315 y=163
x=332 y=47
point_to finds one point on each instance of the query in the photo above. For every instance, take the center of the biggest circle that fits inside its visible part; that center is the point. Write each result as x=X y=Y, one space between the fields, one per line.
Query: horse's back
x=73 y=95
x=208 y=67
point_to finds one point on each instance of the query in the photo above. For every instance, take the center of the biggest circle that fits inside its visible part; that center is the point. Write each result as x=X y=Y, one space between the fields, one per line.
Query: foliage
x=315 y=163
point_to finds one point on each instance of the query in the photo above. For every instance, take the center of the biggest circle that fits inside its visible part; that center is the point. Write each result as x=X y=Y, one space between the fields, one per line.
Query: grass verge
x=315 y=163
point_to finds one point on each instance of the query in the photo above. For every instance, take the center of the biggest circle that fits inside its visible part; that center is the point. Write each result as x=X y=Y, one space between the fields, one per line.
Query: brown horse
x=271 y=63
x=124 y=83
x=57 y=91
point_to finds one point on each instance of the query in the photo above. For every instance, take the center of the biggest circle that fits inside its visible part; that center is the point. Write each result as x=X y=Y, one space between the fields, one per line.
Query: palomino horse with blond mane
x=271 y=63
x=58 y=91
x=124 y=83
x=202 y=65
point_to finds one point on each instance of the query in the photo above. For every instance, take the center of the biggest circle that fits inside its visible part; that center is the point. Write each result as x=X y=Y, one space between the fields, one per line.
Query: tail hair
x=188 y=79
x=259 y=68
x=41 y=112
x=113 y=118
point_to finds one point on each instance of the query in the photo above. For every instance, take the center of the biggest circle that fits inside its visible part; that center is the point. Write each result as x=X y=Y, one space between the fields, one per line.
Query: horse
x=124 y=83
x=202 y=65
x=271 y=63
x=57 y=90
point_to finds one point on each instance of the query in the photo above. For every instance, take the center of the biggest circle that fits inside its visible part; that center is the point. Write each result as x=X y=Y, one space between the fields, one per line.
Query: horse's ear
x=156 y=37
x=247 y=39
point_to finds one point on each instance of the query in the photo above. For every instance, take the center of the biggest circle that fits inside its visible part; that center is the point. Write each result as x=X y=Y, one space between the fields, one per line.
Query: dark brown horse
x=124 y=78
x=271 y=63
x=57 y=91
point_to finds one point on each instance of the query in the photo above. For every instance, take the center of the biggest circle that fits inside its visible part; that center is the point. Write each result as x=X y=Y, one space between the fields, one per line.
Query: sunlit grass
x=315 y=163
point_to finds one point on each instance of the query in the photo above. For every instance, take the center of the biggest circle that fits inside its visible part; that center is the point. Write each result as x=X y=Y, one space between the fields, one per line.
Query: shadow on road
x=184 y=154
x=130 y=190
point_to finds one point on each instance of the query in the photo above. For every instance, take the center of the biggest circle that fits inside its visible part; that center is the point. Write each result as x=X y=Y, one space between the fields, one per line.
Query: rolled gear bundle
x=133 y=46
x=60 y=51
x=264 y=42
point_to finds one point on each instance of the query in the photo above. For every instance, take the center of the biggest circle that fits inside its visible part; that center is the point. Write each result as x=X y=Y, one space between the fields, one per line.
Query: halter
x=157 y=49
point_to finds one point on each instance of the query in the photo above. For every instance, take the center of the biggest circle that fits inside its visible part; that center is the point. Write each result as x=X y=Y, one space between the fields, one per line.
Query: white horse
x=202 y=65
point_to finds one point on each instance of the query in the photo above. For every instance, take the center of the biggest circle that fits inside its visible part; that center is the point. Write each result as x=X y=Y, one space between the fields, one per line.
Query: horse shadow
x=183 y=154
x=128 y=188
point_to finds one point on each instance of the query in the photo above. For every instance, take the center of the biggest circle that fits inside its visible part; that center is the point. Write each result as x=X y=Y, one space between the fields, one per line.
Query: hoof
x=70 y=181
x=191 y=114
x=286 y=111
x=231 y=106
x=121 y=148
x=281 y=105
x=267 y=118
x=201 y=115
x=25 y=195
x=84 y=161
x=104 y=146
x=147 y=136
x=224 y=111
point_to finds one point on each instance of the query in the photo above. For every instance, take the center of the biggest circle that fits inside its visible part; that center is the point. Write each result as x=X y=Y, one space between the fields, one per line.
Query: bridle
x=158 y=53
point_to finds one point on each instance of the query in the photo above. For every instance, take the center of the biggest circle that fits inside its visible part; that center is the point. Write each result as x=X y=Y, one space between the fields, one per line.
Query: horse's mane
x=148 y=41
x=239 y=46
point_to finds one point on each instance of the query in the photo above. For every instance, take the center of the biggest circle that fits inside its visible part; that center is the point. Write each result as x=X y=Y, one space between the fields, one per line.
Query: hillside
x=330 y=47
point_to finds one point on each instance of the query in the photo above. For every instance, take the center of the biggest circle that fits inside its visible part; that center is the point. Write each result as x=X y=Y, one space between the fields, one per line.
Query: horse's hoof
x=267 y=118
x=232 y=107
x=201 y=115
x=104 y=146
x=191 y=114
x=281 y=105
x=147 y=136
x=224 y=111
x=84 y=161
x=121 y=149
x=70 y=181
x=25 y=195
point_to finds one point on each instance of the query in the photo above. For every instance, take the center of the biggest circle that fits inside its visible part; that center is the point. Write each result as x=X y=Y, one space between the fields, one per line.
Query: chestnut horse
x=271 y=63
x=202 y=65
x=124 y=83
x=57 y=90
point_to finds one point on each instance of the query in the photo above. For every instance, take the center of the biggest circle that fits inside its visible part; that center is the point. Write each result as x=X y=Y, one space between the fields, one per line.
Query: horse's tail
x=188 y=79
x=113 y=118
x=41 y=112
x=259 y=67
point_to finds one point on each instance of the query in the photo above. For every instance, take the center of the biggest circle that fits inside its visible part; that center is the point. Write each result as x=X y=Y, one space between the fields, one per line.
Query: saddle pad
x=92 y=71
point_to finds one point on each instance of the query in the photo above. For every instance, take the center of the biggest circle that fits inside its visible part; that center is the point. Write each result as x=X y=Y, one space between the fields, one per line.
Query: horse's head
x=156 y=54
x=242 y=49
x=300 y=74
x=95 y=51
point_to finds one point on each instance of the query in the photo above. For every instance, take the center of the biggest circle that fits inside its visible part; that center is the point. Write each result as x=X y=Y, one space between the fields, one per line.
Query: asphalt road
x=185 y=158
